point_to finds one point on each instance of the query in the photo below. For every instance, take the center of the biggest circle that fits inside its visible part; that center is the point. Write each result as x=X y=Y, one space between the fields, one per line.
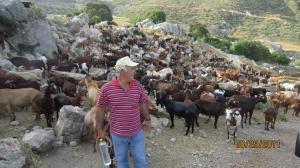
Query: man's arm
x=100 y=117
x=145 y=110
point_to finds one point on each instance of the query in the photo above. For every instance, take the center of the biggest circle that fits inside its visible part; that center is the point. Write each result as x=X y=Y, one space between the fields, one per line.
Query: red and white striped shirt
x=124 y=106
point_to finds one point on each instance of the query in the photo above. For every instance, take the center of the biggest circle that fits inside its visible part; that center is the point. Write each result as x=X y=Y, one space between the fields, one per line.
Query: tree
x=100 y=10
x=251 y=49
x=156 y=16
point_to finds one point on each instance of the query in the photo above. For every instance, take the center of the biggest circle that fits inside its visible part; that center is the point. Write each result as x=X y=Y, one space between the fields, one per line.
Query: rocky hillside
x=269 y=20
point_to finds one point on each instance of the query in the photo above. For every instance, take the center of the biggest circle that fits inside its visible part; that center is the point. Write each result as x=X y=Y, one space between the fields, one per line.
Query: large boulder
x=14 y=9
x=221 y=29
x=77 y=22
x=6 y=64
x=70 y=124
x=35 y=37
x=171 y=28
x=30 y=35
x=145 y=23
x=11 y=155
x=40 y=140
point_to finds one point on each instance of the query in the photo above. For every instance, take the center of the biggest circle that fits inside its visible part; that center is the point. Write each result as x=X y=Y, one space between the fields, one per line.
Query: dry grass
x=121 y=21
x=290 y=46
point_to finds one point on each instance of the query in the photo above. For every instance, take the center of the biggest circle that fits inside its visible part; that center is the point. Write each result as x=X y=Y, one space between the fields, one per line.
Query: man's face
x=129 y=74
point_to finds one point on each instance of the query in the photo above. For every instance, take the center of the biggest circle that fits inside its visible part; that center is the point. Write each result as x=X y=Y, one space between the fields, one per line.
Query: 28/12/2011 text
x=257 y=143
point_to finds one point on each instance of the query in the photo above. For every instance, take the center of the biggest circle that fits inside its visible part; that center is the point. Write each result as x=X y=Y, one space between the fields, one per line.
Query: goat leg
x=250 y=116
x=188 y=126
x=192 y=125
x=196 y=120
x=172 y=120
x=216 y=120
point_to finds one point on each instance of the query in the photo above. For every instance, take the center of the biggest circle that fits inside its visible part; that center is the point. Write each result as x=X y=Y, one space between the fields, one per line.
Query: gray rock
x=170 y=27
x=73 y=143
x=155 y=122
x=203 y=134
x=164 y=122
x=40 y=140
x=58 y=144
x=36 y=127
x=220 y=29
x=78 y=22
x=14 y=123
x=276 y=46
x=35 y=37
x=14 y=9
x=173 y=140
x=70 y=124
x=11 y=155
x=145 y=23
x=6 y=64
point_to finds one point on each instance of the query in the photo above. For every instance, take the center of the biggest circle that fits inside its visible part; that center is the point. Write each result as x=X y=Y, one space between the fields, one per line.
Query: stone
x=221 y=29
x=73 y=143
x=171 y=28
x=164 y=122
x=77 y=22
x=14 y=123
x=36 y=127
x=40 y=140
x=155 y=122
x=11 y=155
x=6 y=64
x=14 y=9
x=203 y=134
x=145 y=23
x=238 y=151
x=70 y=124
x=173 y=140
x=58 y=144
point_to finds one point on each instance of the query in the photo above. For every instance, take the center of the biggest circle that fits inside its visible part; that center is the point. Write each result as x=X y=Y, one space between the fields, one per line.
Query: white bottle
x=103 y=149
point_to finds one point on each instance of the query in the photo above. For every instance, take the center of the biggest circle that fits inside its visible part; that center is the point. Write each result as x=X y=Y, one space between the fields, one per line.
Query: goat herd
x=185 y=82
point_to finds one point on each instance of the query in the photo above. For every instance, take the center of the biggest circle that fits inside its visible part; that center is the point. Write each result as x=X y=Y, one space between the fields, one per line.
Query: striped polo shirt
x=124 y=106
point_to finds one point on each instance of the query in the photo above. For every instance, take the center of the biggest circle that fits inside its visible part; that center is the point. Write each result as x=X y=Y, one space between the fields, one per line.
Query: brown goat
x=270 y=117
x=11 y=98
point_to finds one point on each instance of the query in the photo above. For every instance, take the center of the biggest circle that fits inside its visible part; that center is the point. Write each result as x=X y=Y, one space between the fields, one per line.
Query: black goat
x=247 y=105
x=178 y=108
x=212 y=108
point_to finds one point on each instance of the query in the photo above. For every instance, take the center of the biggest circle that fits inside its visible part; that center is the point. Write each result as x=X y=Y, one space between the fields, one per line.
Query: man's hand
x=147 y=126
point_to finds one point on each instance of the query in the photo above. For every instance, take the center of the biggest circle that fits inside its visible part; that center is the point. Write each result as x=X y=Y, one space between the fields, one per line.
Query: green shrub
x=281 y=116
x=156 y=16
x=95 y=19
x=101 y=10
x=297 y=62
x=260 y=106
x=219 y=43
x=280 y=58
x=297 y=85
x=251 y=49
x=136 y=19
x=37 y=12
x=199 y=32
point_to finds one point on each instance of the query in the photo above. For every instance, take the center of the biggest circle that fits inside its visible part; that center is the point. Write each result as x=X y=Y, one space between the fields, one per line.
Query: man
x=126 y=101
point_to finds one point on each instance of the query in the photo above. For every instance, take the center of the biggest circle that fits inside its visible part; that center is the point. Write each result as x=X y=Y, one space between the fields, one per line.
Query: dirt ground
x=206 y=148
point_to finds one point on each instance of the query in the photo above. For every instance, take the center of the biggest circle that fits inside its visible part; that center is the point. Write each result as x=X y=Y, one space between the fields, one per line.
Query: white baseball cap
x=125 y=61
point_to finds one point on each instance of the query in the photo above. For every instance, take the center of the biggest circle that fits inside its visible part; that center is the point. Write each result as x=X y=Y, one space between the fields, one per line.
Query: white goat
x=233 y=119
x=288 y=86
